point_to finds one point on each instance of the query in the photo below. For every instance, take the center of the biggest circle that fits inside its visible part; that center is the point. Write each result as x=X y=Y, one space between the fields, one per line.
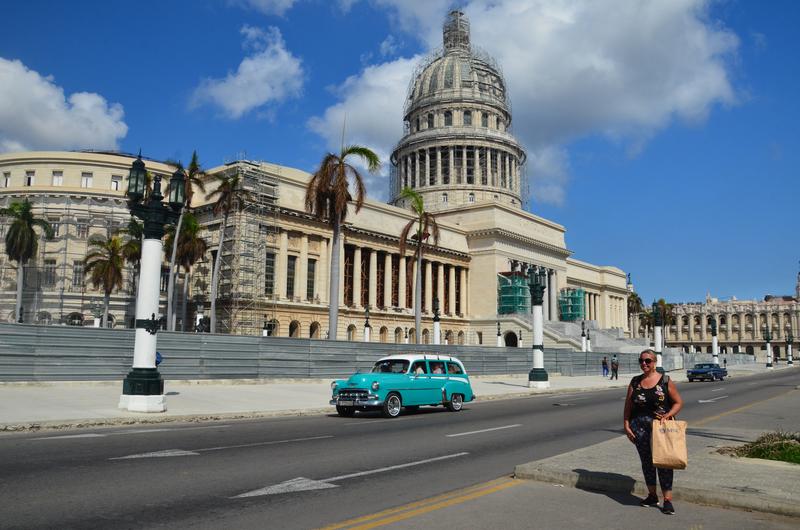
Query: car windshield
x=704 y=366
x=391 y=366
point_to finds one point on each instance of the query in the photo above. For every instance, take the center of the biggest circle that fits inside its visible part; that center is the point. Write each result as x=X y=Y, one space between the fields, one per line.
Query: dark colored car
x=707 y=371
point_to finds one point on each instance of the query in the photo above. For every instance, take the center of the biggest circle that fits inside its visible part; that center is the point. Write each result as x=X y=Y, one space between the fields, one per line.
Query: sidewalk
x=26 y=406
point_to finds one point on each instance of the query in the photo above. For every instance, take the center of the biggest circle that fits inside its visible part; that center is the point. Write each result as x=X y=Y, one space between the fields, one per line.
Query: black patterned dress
x=646 y=403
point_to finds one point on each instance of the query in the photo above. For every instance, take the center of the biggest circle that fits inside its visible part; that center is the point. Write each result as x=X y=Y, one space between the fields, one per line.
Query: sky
x=661 y=133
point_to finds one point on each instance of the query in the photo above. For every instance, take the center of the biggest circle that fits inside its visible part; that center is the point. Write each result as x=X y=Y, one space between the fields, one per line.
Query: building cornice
x=500 y=233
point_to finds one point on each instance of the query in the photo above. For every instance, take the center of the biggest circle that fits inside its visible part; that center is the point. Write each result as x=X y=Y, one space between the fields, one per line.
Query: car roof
x=411 y=357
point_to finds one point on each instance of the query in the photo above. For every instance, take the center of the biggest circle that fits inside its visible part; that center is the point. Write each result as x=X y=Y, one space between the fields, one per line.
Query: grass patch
x=779 y=445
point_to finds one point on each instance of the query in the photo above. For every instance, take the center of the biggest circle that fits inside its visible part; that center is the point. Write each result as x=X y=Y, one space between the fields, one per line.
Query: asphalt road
x=306 y=472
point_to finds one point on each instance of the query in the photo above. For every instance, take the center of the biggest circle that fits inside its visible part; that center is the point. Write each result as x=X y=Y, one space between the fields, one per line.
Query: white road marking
x=158 y=454
x=485 y=430
x=302 y=483
x=182 y=452
x=370 y=422
x=713 y=400
x=720 y=389
x=87 y=435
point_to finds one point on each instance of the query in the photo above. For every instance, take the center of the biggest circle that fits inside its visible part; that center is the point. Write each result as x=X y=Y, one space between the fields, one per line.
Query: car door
x=419 y=382
x=438 y=379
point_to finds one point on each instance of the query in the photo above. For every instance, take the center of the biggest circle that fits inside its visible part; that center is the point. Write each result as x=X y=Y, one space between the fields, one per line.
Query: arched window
x=467 y=117
x=43 y=317
x=418 y=123
x=384 y=334
x=471 y=197
x=510 y=339
x=430 y=121
x=484 y=120
x=294 y=329
x=313 y=331
x=448 y=118
x=412 y=336
x=399 y=337
x=461 y=337
x=426 y=337
x=444 y=197
x=75 y=319
x=448 y=337
x=685 y=320
x=351 y=332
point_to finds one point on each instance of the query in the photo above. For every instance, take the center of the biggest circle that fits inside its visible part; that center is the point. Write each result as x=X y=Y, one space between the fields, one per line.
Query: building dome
x=457 y=146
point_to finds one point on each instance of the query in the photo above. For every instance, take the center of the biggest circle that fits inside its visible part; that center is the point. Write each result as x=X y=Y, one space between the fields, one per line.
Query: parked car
x=709 y=371
x=408 y=381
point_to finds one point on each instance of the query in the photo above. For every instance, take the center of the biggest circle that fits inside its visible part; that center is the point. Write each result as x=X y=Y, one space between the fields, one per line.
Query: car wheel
x=347 y=412
x=456 y=403
x=392 y=405
x=722 y=378
x=691 y=380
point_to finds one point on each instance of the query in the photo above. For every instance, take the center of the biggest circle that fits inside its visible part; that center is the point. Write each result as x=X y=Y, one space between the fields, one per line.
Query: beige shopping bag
x=669 y=444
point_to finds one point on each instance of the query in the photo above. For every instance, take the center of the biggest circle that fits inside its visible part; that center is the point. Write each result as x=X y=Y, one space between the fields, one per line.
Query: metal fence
x=60 y=353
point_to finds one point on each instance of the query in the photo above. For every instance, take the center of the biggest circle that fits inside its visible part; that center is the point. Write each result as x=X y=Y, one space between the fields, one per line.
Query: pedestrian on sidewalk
x=604 y=364
x=724 y=362
x=651 y=396
x=614 y=368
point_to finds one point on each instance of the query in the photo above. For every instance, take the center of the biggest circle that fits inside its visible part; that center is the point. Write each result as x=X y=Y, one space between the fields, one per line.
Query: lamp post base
x=538 y=378
x=143 y=391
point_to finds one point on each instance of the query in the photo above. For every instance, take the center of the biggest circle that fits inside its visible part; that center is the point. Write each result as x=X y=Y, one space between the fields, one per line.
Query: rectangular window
x=49 y=273
x=116 y=182
x=364 y=278
x=379 y=277
x=86 y=180
x=82 y=228
x=58 y=178
x=310 y=276
x=30 y=177
x=55 y=224
x=467 y=117
x=484 y=120
x=291 y=269
x=445 y=166
x=446 y=302
x=458 y=291
x=7 y=179
x=395 y=281
x=269 y=274
x=77 y=273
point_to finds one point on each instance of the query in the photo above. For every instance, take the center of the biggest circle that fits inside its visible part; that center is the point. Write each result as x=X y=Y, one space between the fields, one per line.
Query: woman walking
x=651 y=396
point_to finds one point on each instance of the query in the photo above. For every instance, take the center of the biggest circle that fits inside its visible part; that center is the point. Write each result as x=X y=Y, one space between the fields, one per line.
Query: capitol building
x=458 y=151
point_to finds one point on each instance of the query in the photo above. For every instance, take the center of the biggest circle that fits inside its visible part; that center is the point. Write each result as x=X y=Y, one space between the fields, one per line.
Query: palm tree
x=22 y=241
x=132 y=247
x=190 y=249
x=424 y=227
x=104 y=264
x=634 y=304
x=327 y=197
x=229 y=195
x=194 y=176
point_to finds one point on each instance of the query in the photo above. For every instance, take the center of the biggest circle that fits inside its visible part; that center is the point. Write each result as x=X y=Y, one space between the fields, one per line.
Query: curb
x=616 y=483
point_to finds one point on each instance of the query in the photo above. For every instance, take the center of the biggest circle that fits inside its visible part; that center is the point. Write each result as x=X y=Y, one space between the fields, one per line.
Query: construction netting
x=571 y=304
x=513 y=295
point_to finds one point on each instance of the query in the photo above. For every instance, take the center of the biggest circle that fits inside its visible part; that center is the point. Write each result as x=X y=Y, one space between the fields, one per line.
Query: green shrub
x=779 y=445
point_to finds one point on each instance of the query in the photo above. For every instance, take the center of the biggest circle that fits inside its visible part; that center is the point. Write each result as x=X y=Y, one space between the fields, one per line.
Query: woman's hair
x=649 y=351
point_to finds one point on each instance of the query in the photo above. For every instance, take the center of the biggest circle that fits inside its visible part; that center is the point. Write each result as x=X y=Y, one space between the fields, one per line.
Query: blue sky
x=663 y=135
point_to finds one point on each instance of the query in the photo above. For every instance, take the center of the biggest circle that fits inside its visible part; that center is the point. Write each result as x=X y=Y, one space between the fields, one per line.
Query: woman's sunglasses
x=643 y=360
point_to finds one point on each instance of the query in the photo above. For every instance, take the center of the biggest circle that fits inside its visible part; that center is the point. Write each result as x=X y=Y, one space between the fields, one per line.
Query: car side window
x=437 y=367
x=419 y=368
x=454 y=368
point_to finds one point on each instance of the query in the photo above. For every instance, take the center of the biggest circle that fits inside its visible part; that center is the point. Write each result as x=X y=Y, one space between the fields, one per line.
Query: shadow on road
x=613 y=485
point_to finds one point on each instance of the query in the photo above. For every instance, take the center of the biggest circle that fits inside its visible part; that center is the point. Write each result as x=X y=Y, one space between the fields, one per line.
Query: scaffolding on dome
x=571 y=304
x=513 y=294
x=252 y=232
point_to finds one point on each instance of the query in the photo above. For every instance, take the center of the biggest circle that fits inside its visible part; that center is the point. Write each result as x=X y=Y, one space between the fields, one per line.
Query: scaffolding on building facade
x=571 y=304
x=513 y=294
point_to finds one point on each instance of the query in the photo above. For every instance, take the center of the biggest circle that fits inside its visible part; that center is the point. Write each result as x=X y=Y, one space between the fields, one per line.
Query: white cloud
x=270 y=74
x=574 y=68
x=267 y=7
x=35 y=114
x=371 y=107
x=389 y=46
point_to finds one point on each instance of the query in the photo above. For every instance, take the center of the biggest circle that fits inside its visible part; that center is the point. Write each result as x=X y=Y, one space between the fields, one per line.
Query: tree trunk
x=418 y=295
x=215 y=274
x=20 y=280
x=172 y=274
x=333 y=284
x=185 y=299
x=106 y=300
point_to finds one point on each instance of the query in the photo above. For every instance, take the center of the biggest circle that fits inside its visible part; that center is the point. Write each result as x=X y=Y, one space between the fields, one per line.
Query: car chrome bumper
x=370 y=402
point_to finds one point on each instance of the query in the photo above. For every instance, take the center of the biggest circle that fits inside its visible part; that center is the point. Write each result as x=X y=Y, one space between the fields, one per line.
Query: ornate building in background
x=458 y=152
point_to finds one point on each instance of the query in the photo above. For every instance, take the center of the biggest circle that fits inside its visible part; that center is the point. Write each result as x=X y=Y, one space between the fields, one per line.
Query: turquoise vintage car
x=408 y=381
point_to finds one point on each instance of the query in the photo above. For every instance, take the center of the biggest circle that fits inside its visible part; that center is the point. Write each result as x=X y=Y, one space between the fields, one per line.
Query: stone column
x=357 y=277
x=451 y=166
x=401 y=282
x=428 y=271
x=372 y=295
x=452 y=290
x=440 y=284
x=417 y=180
x=553 y=296
x=413 y=283
x=438 y=165
x=283 y=260
x=301 y=278
x=463 y=175
x=426 y=178
x=463 y=293
x=323 y=271
x=546 y=300
x=387 y=280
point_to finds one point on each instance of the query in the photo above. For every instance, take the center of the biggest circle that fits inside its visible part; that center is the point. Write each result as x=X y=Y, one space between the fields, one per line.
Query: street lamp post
x=520 y=339
x=789 y=340
x=143 y=388
x=437 y=325
x=588 y=340
x=499 y=337
x=537 y=377
x=367 y=327
x=405 y=335
x=198 y=321
x=658 y=323
x=583 y=336
x=768 y=339
x=265 y=329
x=714 y=340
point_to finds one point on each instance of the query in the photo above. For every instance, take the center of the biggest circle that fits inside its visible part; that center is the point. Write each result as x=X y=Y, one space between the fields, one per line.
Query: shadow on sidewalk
x=702 y=433
x=504 y=383
x=613 y=485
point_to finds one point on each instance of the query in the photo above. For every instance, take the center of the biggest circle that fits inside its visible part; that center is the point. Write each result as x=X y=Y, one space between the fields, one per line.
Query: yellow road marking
x=428 y=505
x=738 y=409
